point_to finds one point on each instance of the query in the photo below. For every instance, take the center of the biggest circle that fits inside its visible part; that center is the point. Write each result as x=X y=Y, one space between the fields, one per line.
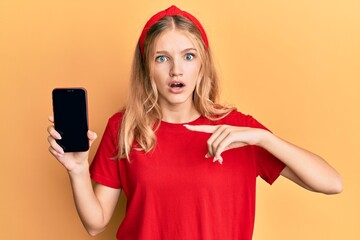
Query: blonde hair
x=142 y=114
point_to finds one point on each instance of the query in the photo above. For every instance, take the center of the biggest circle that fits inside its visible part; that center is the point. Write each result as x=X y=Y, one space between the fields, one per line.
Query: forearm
x=94 y=207
x=303 y=167
x=86 y=202
x=310 y=168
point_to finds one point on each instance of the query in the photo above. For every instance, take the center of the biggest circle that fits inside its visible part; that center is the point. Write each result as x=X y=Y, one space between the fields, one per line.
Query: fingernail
x=220 y=159
x=207 y=155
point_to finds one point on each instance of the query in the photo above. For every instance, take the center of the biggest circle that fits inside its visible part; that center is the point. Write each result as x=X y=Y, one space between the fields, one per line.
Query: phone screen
x=70 y=118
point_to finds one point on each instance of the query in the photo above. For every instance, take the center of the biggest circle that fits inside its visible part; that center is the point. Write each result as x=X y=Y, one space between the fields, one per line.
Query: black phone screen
x=70 y=118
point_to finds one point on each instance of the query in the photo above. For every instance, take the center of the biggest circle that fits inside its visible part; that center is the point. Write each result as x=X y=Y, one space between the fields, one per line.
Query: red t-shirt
x=176 y=193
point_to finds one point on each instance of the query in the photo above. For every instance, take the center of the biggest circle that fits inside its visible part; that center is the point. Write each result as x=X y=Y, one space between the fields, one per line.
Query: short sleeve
x=268 y=166
x=104 y=168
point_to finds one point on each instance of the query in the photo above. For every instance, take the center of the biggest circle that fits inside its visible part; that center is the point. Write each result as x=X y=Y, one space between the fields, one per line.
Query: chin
x=178 y=100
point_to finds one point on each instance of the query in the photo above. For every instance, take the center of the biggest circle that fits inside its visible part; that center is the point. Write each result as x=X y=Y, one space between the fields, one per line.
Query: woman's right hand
x=74 y=162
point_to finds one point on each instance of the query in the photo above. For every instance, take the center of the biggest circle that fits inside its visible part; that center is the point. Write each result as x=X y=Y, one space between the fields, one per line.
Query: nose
x=176 y=68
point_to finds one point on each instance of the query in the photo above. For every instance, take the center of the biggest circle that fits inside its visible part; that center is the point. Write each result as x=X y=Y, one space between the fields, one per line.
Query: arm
x=303 y=167
x=95 y=207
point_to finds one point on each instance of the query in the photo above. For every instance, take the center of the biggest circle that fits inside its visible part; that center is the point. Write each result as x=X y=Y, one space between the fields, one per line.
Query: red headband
x=171 y=11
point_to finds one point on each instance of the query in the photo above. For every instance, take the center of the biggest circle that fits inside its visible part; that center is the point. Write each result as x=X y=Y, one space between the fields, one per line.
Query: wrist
x=265 y=139
x=80 y=170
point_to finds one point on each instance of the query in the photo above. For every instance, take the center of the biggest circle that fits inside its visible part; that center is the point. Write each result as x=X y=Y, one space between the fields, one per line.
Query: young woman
x=187 y=165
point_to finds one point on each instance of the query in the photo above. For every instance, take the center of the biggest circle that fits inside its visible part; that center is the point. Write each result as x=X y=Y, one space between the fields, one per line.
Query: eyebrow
x=183 y=51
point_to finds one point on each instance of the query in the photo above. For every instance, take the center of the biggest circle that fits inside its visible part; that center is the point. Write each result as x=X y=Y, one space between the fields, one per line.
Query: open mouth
x=177 y=85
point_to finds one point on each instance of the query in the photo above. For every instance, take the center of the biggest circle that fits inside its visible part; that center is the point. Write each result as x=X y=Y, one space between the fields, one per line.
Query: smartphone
x=71 y=118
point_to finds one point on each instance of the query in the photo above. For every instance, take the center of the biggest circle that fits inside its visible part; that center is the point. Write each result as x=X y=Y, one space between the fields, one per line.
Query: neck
x=179 y=115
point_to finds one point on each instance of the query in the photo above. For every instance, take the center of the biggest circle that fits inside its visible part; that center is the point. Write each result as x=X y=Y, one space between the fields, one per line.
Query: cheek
x=194 y=70
x=160 y=77
x=157 y=75
x=157 y=83
x=161 y=70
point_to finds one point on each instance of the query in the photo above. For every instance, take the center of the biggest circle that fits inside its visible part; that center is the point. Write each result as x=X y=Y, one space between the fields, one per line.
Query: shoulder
x=115 y=120
x=116 y=117
x=235 y=114
x=240 y=119
x=236 y=117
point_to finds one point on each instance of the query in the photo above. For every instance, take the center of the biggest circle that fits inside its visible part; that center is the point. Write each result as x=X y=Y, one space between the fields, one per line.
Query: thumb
x=92 y=136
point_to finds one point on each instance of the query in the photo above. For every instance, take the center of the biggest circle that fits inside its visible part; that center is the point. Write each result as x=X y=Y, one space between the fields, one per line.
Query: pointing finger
x=202 y=128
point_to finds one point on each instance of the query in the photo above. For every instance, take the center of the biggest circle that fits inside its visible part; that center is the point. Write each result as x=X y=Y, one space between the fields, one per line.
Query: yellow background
x=294 y=65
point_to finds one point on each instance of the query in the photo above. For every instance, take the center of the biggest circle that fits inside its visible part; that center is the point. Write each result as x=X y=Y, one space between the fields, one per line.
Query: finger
x=92 y=136
x=215 y=138
x=223 y=140
x=218 y=159
x=227 y=144
x=202 y=128
x=51 y=130
x=51 y=118
x=54 y=145
x=205 y=129
x=55 y=153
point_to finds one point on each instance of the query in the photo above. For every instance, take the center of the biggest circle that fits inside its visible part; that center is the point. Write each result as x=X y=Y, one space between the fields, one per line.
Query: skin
x=302 y=167
x=96 y=205
x=172 y=62
x=176 y=60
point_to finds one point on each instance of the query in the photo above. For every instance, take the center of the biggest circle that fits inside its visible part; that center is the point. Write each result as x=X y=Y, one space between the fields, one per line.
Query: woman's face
x=176 y=66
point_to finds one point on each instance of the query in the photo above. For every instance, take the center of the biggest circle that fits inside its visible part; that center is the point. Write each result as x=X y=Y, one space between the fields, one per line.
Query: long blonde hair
x=142 y=114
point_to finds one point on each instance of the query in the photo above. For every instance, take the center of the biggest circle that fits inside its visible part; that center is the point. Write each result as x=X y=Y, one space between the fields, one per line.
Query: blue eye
x=161 y=59
x=189 y=56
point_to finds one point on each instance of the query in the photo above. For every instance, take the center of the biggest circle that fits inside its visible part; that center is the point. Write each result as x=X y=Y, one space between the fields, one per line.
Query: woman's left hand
x=302 y=167
x=226 y=137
